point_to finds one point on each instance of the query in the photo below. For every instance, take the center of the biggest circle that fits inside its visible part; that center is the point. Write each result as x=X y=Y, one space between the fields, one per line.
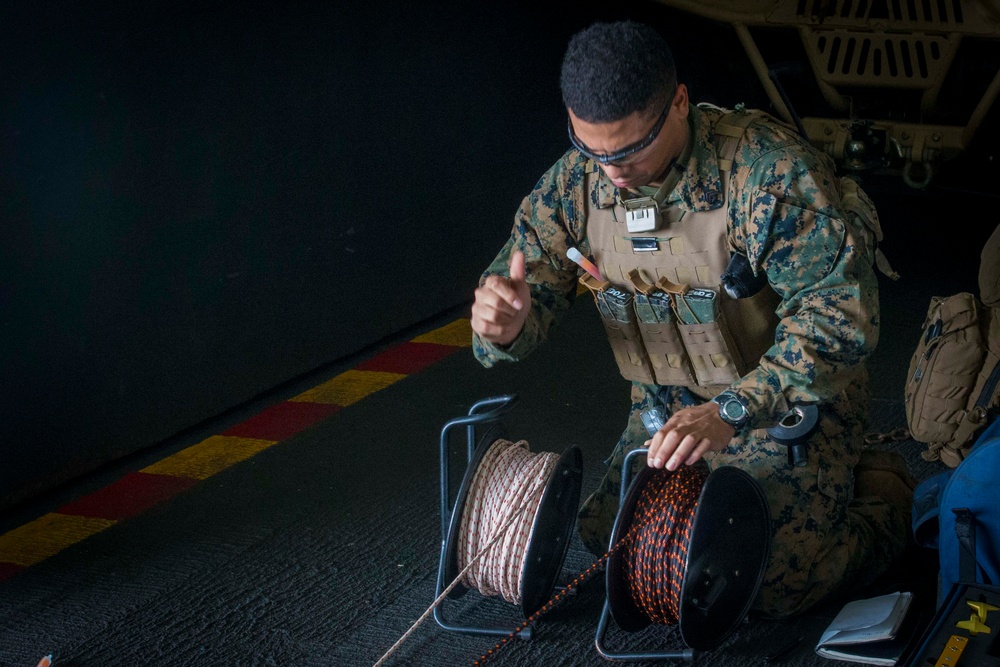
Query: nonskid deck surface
x=308 y=531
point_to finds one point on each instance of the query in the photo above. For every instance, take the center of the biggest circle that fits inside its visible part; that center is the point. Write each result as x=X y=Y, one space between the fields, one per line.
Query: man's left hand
x=687 y=435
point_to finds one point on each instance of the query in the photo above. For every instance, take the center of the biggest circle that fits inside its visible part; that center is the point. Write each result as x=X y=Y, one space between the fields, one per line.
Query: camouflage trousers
x=824 y=538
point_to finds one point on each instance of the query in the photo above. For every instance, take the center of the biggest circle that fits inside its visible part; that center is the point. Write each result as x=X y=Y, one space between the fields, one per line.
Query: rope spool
x=523 y=506
x=504 y=478
x=690 y=548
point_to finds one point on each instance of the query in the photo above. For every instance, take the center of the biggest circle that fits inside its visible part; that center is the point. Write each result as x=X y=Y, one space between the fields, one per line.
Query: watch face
x=733 y=410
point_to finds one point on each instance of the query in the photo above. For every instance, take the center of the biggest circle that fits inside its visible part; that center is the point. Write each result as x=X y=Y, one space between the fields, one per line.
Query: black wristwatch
x=733 y=409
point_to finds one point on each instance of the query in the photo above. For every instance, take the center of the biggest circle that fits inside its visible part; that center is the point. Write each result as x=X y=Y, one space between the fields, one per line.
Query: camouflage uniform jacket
x=784 y=212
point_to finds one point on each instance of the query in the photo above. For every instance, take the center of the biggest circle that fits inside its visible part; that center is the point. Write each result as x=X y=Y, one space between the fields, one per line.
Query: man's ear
x=680 y=103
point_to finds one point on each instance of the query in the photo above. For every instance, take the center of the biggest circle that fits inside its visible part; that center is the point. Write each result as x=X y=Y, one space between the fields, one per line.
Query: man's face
x=646 y=166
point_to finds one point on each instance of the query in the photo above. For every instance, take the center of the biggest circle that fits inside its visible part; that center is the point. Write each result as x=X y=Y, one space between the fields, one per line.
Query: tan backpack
x=954 y=374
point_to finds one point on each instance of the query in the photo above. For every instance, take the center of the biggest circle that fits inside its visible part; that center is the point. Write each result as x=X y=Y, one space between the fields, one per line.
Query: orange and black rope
x=655 y=564
x=654 y=550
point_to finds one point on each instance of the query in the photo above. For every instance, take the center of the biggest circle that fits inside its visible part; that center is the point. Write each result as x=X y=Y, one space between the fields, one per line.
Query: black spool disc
x=550 y=532
x=727 y=556
x=727 y=553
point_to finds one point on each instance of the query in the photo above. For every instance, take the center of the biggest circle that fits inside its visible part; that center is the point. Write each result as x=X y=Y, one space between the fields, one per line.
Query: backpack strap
x=729 y=129
x=965 y=532
x=860 y=204
x=973 y=420
x=926 y=508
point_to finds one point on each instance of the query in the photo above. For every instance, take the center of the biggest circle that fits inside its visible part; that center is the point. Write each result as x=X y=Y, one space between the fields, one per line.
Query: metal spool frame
x=550 y=533
x=728 y=551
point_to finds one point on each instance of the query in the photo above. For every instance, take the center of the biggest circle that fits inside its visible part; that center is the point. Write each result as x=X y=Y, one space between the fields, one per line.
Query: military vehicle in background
x=884 y=86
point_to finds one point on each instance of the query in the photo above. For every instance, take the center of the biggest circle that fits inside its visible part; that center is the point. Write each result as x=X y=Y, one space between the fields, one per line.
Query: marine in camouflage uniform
x=784 y=212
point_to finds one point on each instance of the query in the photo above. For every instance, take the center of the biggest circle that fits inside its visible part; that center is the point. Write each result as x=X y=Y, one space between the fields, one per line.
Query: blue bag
x=958 y=513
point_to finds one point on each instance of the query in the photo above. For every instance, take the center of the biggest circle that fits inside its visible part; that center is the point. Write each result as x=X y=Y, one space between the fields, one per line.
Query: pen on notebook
x=584 y=263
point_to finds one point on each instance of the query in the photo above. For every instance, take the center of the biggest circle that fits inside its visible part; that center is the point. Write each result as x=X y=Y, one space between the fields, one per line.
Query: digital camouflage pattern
x=784 y=212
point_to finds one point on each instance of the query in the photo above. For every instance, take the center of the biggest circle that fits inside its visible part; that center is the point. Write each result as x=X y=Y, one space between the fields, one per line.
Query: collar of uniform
x=604 y=194
x=700 y=187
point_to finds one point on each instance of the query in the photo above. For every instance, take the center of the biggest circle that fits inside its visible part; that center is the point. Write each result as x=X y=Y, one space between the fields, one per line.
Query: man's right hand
x=502 y=305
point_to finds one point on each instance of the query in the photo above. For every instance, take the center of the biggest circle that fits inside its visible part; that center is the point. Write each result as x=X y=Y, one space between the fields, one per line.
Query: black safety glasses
x=631 y=149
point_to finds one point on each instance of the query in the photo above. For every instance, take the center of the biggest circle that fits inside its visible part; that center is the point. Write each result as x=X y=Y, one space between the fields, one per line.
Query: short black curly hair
x=612 y=70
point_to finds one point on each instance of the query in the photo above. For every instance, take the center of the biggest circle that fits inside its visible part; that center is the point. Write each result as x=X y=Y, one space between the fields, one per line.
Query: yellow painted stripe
x=209 y=456
x=458 y=333
x=349 y=387
x=46 y=536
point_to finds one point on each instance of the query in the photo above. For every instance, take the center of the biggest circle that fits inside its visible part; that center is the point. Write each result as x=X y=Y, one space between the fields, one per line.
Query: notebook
x=874 y=631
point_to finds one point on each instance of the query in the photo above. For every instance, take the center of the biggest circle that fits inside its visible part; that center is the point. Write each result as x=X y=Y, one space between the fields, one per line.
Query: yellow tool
x=973 y=625
x=977 y=622
x=952 y=651
x=981 y=609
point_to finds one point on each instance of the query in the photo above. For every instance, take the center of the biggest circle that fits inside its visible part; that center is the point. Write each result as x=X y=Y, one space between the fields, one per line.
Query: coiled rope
x=654 y=550
x=655 y=555
x=508 y=477
x=506 y=491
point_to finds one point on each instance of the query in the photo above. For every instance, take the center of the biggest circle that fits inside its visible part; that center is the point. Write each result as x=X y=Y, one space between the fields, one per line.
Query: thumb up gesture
x=502 y=304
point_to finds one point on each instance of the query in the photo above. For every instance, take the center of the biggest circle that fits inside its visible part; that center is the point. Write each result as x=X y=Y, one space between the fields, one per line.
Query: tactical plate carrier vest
x=662 y=302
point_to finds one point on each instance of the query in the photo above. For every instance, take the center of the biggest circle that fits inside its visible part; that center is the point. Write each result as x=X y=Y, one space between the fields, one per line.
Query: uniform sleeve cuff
x=765 y=401
x=518 y=349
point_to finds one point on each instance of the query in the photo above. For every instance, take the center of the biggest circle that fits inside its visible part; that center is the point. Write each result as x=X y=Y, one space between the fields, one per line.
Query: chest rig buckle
x=642 y=214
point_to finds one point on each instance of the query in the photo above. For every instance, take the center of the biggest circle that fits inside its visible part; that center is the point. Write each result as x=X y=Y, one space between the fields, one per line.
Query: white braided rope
x=507 y=476
x=525 y=477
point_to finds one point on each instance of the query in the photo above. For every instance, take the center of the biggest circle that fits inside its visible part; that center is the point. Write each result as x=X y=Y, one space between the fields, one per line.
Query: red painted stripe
x=408 y=358
x=283 y=420
x=8 y=570
x=131 y=495
x=139 y=491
